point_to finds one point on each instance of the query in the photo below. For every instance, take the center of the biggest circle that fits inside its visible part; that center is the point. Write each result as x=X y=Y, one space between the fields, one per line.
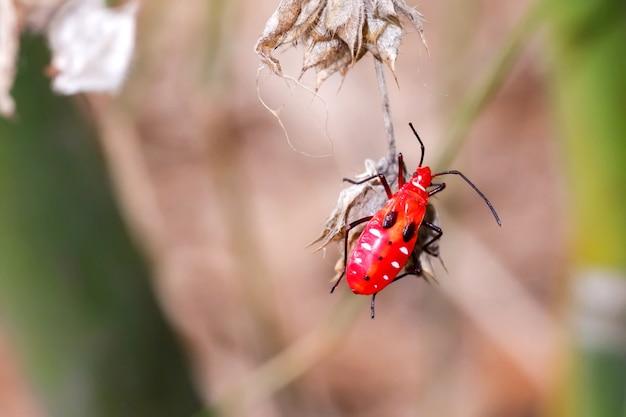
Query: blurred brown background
x=186 y=187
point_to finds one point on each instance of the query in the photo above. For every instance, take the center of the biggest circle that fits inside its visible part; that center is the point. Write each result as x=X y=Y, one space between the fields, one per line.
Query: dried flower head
x=336 y=33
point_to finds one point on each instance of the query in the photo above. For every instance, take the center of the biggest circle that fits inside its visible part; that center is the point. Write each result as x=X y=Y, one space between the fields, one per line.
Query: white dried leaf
x=92 y=45
x=355 y=27
x=9 y=41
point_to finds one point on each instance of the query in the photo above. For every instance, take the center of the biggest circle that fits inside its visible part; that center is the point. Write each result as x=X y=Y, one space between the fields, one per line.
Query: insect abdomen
x=381 y=252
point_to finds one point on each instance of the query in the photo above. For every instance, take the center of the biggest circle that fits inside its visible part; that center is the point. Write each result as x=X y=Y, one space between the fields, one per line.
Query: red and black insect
x=389 y=237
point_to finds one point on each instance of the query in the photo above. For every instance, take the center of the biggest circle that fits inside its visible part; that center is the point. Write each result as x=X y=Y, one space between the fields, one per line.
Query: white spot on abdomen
x=366 y=246
x=376 y=232
x=386 y=277
x=357 y=260
x=404 y=250
x=395 y=264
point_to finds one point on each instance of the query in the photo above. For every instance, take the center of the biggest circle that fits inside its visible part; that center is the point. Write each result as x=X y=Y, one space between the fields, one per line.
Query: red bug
x=389 y=237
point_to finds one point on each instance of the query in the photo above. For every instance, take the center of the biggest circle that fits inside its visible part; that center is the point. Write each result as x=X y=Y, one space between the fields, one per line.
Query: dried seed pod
x=336 y=33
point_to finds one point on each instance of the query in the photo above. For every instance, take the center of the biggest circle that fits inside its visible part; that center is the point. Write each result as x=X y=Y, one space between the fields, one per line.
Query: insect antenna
x=471 y=184
x=421 y=143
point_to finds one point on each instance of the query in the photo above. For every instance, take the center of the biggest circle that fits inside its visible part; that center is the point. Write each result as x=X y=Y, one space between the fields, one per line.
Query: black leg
x=382 y=179
x=373 y=306
x=435 y=238
x=416 y=270
x=437 y=189
x=480 y=193
x=345 y=248
x=401 y=170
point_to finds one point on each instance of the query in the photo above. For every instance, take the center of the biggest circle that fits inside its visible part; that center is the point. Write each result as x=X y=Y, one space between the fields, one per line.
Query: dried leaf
x=308 y=15
x=277 y=30
x=337 y=33
x=356 y=201
x=9 y=41
x=345 y=19
x=323 y=54
x=413 y=16
x=92 y=45
x=388 y=45
x=384 y=8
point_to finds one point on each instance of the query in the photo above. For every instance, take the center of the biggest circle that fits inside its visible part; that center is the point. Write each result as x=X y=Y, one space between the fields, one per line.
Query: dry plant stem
x=481 y=95
x=382 y=87
x=294 y=361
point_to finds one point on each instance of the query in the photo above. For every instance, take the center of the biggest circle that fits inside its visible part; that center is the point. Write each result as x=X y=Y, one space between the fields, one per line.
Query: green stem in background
x=589 y=80
x=478 y=98
x=74 y=292
x=220 y=18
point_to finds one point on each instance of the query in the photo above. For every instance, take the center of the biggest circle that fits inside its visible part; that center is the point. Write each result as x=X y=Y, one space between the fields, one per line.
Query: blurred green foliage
x=73 y=289
x=590 y=51
x=589 y=40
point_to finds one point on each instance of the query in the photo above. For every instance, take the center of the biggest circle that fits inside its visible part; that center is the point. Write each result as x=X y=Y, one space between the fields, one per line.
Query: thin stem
x=382 y=87
x=475 y=102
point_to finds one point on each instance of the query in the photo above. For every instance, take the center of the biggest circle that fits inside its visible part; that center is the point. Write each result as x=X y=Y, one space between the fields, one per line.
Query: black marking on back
x=366 y=278
x=390 y=219
x=409 y=232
